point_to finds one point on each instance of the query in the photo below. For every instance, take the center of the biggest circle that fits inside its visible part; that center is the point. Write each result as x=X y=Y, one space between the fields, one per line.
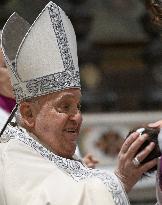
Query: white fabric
x=160 y=139
x=37 y=41
x=3 y=117
x=77 y=152
x=46 y=58
x=27 y=178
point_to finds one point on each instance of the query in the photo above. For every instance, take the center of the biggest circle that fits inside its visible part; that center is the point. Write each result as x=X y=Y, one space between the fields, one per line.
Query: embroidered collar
x=74 y=168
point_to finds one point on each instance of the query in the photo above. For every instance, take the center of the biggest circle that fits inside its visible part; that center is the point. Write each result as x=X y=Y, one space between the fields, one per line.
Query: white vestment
x=3 y=117
x=32 y=175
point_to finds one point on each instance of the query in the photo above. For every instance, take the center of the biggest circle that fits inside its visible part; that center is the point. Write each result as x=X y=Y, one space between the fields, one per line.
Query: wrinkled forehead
x=67 y=93
x=74 y=93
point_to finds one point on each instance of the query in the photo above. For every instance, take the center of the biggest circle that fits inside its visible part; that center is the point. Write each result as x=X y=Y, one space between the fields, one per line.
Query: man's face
x=57 y=123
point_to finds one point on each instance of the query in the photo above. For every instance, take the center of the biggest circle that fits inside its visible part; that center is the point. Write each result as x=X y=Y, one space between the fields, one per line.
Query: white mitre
x=42 y=58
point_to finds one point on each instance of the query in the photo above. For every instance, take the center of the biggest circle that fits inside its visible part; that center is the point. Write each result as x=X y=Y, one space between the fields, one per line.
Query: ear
x=27 y=114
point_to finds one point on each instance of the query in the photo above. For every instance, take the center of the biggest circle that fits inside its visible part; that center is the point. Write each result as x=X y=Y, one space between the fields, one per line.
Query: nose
x=76 y=116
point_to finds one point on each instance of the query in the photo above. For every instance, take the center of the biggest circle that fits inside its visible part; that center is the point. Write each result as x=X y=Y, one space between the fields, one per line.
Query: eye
x=63 y=108
x=69 y=107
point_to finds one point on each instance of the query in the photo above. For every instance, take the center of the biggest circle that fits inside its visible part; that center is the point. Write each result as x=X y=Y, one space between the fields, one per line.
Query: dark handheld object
x=152 y=137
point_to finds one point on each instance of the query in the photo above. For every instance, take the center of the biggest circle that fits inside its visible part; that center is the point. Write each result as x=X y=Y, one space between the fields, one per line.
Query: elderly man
x=37 y=161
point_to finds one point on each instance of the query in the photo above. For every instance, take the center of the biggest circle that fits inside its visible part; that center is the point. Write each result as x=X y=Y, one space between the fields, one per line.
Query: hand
x=126 y=171
x=156 y=124
x=90 y=161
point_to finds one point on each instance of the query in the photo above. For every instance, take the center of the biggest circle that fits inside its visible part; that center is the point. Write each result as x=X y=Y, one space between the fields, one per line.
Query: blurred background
x=120 y=59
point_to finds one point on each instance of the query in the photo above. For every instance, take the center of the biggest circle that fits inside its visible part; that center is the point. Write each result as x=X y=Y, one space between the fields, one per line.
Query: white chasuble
x=3 y=117
x=32 y=175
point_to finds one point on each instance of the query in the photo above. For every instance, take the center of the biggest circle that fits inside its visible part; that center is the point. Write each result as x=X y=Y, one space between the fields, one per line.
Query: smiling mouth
x=72 y=131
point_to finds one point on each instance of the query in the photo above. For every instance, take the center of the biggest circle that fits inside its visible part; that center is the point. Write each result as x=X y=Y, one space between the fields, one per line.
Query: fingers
x=91 y=165
x=145 y=152
x=136 y=145
x=128 y=142
x=93 y=160
x=132 y=145
x=90 y=161
x=156 y=124
x=145 y=167
x=129 y=172
x=90 y=157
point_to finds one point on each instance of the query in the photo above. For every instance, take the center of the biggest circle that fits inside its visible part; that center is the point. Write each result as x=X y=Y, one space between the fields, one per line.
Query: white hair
x=18 y=117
